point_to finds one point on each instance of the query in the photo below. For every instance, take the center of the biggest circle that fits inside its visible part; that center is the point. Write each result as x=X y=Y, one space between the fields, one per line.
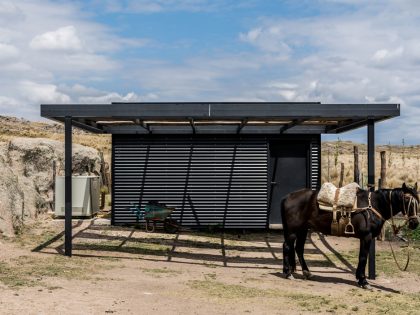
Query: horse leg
x=361 y=267
x=300 y=246
x=289 y=260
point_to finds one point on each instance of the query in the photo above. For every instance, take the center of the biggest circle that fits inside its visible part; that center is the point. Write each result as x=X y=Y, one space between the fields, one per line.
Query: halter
x=412 y=201
x=415 y=203
x=407 y=217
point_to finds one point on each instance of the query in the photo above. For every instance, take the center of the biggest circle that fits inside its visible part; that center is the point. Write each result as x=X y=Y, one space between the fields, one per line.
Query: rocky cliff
x=27 y=167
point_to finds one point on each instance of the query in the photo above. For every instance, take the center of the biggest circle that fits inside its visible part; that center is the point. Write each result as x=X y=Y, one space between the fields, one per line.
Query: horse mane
x=394 y=195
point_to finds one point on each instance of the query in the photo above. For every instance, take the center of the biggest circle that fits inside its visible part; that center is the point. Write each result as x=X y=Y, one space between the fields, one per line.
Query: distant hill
x=12 y=127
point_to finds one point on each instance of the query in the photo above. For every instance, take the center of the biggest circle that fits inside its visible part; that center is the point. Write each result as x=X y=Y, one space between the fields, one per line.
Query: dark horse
x=300 y=212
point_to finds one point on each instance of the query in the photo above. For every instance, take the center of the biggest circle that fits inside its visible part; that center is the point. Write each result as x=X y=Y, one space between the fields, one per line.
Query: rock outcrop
x=27 y=177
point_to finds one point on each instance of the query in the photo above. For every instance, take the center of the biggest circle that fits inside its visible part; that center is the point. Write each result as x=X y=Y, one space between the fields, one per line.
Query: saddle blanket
x=346 y=197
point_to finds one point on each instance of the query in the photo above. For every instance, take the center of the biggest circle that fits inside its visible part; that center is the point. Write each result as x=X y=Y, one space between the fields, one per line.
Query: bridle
x=412 y=202
x=396 y=229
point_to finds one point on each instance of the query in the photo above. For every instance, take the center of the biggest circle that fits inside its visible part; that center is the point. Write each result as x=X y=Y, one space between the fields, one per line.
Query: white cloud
x=269 y=39
x=8 y=52
x=44 y=44
x=42 y=93
x=8 y=102
x=64 y=38
x=368 y=54
x=111 y=97
x=9 y=10
x=282 y=85
x=384 y=55
x=84 y=94
x=155 y=6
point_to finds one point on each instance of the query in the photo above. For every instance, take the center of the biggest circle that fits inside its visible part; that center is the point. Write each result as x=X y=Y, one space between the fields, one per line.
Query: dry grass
x=347 y=302
x=29 y=270
x=254 y=289
x=385 y=263
x=402 y=162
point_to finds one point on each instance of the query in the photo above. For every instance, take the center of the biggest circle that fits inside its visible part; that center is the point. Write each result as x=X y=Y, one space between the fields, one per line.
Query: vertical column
x=371 y=185
x=67 y=185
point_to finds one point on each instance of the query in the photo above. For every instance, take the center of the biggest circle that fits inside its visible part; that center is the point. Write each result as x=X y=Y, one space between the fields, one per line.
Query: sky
x=332 y=51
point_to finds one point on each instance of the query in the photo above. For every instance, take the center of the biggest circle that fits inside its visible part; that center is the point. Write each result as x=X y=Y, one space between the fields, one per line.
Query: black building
x=228 y=164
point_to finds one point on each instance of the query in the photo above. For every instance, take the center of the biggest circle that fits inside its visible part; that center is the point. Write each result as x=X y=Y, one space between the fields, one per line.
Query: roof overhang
x=220 y=117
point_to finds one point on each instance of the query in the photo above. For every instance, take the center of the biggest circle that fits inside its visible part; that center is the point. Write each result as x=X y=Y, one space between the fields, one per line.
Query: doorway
x=288 y=172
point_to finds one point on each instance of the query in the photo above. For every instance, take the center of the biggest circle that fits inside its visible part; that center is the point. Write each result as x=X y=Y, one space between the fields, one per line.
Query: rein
x=396 y=229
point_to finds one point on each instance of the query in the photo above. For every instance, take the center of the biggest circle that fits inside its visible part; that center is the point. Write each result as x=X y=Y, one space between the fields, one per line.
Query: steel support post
x=68 y=183
x=371 y=185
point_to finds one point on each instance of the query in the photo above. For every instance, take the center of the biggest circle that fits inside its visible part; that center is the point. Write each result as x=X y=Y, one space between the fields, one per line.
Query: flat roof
x=220 y=117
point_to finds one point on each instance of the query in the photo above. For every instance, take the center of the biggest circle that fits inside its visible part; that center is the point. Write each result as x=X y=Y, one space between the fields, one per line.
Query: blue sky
x=333 y=51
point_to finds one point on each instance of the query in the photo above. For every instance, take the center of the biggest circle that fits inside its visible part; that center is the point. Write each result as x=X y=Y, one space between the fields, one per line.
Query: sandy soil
x=128 y=271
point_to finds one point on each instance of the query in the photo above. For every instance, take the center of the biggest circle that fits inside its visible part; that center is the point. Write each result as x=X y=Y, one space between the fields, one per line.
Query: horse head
x=411 y=205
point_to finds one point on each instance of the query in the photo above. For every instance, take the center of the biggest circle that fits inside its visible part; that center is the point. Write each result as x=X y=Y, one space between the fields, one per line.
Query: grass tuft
x=28 y=271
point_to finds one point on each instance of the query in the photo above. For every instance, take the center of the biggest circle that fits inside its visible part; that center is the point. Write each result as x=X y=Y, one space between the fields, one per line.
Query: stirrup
x=349 y=229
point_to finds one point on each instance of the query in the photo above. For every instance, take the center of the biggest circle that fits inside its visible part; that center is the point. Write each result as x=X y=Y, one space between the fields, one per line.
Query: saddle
x=342 y=202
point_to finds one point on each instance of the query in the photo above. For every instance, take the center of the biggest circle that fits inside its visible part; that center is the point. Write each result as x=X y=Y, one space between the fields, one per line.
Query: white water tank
x=85 y=196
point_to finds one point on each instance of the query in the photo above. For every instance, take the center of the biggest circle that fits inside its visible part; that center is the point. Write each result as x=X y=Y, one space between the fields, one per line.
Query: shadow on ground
x=237 y=250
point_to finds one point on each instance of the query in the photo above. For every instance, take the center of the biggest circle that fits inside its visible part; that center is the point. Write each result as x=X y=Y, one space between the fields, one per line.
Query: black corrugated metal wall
x=315 y=163
x=209 y=180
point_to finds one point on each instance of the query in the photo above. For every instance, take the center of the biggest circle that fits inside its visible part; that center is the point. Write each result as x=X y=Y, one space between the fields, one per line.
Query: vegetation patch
x=354 y=300
x=413 y=234
x=230 y=291
x=385 y=262
x=26 y=271
x=301 y=301
x=159 y=272
x=386 y=303
x=313 y=303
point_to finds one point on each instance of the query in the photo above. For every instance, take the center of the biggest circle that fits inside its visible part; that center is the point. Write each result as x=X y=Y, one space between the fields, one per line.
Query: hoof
x=307 y=275
x=290 y=277
x=366 y=286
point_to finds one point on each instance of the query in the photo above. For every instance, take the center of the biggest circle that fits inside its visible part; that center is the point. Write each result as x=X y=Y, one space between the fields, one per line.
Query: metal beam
x=67 y=186
x=141 y=123
x=242 y=125
x=197 y=111
x=192 y=126
x=371 y=185
x=214 y=129
x=352 y=116
x=87 y=126
x=295 y=122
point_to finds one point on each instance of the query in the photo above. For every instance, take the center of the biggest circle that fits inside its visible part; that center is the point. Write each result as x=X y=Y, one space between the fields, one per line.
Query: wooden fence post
x=356 y=173
x=328 y=170
x=54 y=176
x=108 y=177
x=383 y=169
x=341 y=175
x=382 y=184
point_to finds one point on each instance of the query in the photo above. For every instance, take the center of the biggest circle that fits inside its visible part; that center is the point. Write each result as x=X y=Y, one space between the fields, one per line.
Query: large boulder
x=27 y=180
x=12 y=208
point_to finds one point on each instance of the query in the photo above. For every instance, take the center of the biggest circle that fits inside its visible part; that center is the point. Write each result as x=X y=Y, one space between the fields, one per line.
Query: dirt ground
x=118 y=270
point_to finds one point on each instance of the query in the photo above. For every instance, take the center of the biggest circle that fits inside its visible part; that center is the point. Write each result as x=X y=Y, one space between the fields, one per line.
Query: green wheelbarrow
x=156 y=212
